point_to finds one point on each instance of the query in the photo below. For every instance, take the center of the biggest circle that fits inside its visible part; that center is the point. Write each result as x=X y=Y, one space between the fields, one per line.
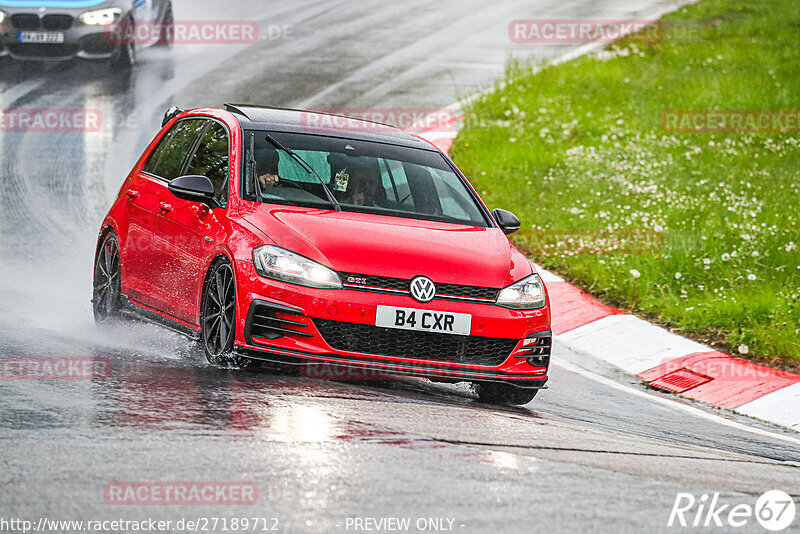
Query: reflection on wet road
x=582 y=454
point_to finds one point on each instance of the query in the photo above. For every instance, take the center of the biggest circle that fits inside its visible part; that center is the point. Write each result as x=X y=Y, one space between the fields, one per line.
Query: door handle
x=164 y=206
x=132 y=194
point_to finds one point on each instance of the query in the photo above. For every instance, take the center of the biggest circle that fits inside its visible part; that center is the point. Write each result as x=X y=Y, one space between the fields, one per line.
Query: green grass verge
x=578 y=148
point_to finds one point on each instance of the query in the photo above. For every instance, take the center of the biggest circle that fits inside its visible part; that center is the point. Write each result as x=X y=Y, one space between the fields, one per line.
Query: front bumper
x=80 y=41
x=331 y=332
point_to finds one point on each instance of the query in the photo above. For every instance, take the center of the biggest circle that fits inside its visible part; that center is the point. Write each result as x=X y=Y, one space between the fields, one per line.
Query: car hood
x=377 y=245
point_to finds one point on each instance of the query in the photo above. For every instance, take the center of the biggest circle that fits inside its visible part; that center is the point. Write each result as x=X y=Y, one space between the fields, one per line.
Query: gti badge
x=423 y=289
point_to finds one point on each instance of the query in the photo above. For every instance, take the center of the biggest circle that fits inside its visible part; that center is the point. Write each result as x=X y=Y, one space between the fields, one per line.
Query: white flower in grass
x=635 y=273
x=790 y=247
x=744 y=349
x=726 y=257
x=678 y=276
x=751 y=277
x=755 y=254
x=706 y=261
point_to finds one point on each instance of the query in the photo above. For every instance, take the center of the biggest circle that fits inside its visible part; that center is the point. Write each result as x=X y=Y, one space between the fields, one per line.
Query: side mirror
x=506 y=220
x=194 y=188
x=171 y=112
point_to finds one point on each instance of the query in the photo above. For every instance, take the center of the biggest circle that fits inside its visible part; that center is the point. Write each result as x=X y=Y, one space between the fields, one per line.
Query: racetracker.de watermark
x=181 y=493
x=42 y=120
x=414 y=120
x=730 y=120
x=189 y=32
x=732 y=369
x=344 y=372
x=581 y=31
x=54 y=368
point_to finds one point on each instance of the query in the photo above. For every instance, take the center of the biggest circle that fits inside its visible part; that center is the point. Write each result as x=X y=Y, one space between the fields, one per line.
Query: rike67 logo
x=774 y=510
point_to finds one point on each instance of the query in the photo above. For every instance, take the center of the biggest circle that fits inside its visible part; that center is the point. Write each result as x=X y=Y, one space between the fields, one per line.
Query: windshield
x=362 y=176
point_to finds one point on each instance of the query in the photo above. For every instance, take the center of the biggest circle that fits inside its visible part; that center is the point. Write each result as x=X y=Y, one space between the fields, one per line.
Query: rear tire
x=107 y=287
x=497 y=393
x=218 y=317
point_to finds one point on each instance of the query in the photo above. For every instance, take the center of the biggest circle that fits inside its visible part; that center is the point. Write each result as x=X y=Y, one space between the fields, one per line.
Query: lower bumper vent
x=268 y=320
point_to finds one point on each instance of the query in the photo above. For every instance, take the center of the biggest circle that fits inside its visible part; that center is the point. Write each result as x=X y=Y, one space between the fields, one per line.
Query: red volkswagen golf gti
x=296 y=237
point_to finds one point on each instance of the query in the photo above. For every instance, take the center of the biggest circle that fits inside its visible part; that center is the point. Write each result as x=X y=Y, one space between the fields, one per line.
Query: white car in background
x=61 y=30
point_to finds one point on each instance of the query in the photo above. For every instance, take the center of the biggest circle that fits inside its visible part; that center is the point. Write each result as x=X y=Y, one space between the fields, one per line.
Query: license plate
x=41 y=37
x=424 y=320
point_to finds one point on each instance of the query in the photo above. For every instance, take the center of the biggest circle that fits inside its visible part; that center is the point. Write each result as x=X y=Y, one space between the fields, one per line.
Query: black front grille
x=43 y=50
x=30 y=22
x=57 y=22
x=26 y=22
x=467 y=291
x=368 y=339
x=401 y=284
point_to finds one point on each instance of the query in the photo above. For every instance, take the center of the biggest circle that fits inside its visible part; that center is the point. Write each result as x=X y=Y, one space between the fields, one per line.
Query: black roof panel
x=316 y=123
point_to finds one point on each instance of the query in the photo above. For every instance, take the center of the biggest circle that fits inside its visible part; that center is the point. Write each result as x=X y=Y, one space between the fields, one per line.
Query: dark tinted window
x=363 y=176
x=168 y=159
x=211 y=160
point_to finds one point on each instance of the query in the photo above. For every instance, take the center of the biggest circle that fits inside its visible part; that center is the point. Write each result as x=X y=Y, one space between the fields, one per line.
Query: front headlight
x=527 y=294
x=101 y=17
x=281 y=264
x=2 y=16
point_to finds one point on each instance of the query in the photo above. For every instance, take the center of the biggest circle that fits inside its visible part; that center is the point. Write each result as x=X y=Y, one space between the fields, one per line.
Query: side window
x=168 y=159
x=453 y=197
x=396 y=183
x=212 y=160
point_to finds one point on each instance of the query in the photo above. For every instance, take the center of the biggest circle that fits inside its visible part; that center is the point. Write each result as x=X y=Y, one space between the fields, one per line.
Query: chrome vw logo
x=423 y=289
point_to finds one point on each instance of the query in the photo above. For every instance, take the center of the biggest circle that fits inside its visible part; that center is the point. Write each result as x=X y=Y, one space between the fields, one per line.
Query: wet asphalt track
x=595 y=452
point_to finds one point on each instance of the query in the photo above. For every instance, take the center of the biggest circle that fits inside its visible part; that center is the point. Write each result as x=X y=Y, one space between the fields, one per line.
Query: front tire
x=498 y=393
x=167 y=35
x=218 y=317
x=107 y=287
x=125 y=57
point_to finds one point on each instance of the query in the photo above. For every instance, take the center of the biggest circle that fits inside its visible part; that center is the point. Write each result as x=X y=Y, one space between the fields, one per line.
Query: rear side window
x=212 y=160
x=168 y=159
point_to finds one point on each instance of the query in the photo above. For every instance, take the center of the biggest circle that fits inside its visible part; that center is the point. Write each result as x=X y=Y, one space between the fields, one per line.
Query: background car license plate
x=424 y=320
x=41 y=37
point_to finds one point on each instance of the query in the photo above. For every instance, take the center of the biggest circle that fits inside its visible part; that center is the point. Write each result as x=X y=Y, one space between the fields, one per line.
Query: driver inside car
x=267 y=167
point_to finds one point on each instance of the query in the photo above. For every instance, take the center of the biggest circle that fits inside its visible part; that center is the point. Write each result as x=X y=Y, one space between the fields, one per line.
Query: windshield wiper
x=308 y=169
